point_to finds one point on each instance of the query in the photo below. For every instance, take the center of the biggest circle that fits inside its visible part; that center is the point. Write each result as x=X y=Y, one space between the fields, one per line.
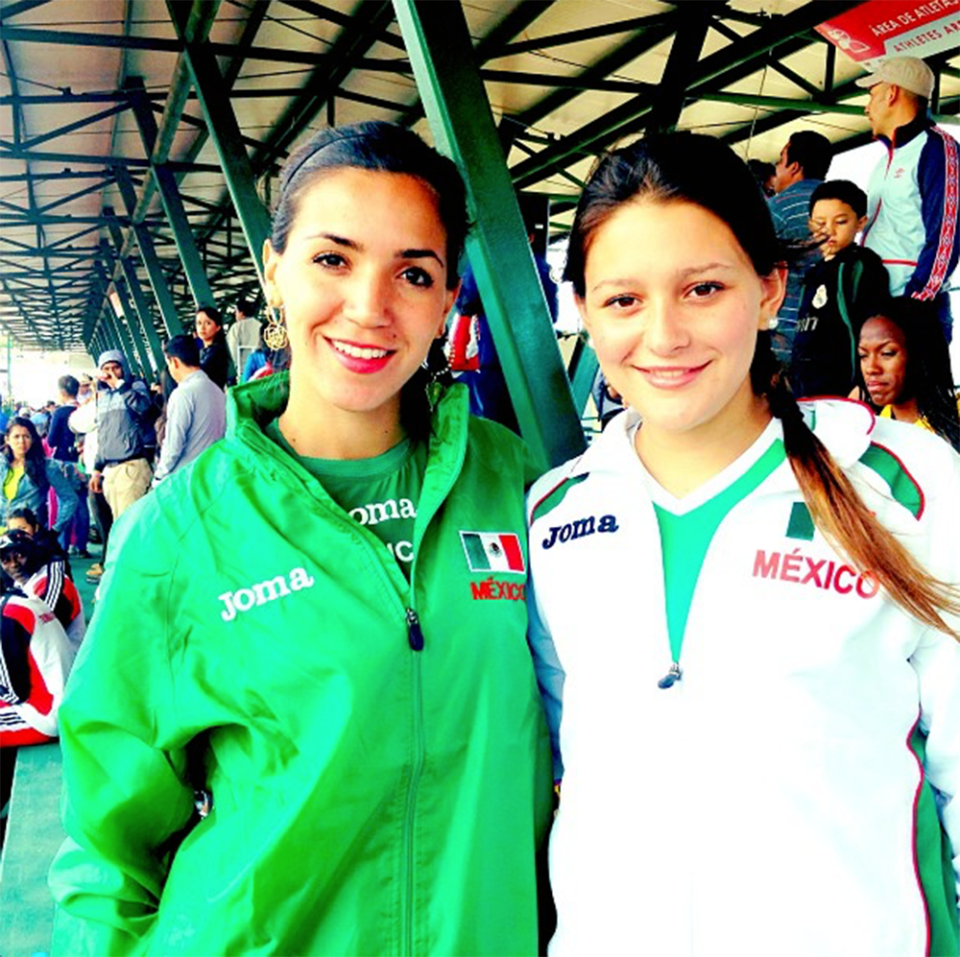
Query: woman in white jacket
x=744 y=611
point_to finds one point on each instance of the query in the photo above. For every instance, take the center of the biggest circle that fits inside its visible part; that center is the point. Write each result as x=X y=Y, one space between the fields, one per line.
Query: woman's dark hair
x=698 y=169
x=378 y=147
x=929 y=378
x=35 y=464
x=212 y=313
x=674 y=167
x=382 y=147
x=27 y=514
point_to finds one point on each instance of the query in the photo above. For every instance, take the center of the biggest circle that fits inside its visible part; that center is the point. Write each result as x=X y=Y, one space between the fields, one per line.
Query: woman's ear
x=774 y=288
x=271 y=260
x=449 y=299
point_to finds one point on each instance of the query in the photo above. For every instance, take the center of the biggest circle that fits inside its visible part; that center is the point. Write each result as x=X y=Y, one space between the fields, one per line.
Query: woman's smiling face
x=363 y=281
x=673 y=305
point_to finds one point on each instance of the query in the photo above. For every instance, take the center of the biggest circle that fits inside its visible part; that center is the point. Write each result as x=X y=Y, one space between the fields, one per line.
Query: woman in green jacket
x=316 y=633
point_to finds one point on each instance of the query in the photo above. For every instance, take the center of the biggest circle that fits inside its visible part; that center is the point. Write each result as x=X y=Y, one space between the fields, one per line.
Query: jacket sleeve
x=871 y=289
x=126 y=791
x=59 y=433
x=175 y=433
x=66 y=495
x=937 y=663
x=136 y=398
x=549 y=672
x=35 y=658
x=939 y=182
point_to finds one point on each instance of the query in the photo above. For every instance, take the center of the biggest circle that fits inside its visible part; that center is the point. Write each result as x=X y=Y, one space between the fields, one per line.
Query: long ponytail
x=841 y=515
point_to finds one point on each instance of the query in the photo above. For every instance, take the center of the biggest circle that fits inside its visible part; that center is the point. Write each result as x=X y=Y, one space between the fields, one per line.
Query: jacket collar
x=252 y=405
x=909 y=131
x=844 y=426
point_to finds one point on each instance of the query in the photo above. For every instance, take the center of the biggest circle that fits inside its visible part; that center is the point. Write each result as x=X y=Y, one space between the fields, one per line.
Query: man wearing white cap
x=122 y=471
x=913 y=211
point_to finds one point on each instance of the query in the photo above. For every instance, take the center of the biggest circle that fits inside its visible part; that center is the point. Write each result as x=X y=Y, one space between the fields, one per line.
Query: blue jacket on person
x=31 y=495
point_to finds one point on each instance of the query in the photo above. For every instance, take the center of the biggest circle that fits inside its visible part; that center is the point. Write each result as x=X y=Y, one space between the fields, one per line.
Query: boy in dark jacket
x=840 y=293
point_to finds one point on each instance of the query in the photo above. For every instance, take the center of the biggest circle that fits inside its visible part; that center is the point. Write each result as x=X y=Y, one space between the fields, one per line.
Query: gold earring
x=275 y=335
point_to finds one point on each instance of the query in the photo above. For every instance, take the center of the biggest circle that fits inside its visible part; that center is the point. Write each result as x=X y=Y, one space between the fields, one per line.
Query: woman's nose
x=367 y=300
x=665 y=331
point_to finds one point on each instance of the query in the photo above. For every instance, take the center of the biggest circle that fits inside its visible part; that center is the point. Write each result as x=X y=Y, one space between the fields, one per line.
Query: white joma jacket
x=782 y=798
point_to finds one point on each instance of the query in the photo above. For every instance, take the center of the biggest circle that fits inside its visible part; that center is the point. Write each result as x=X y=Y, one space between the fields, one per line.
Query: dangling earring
x=437 y=366
x=275 y=336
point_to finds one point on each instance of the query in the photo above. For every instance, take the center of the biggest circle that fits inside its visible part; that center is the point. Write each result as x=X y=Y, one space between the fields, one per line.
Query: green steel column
x=141 y=306
x=222 y=123
x=158 y=282
x=133 y=319
x=173 y=206
x=582 y=371
x=441 y=53
x=109 y=320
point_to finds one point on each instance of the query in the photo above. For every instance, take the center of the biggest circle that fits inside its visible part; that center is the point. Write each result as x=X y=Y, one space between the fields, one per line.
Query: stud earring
x=275 y=335
x=772 y=323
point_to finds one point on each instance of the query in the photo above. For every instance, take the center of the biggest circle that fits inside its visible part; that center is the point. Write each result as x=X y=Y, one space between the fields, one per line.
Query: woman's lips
x=670 y=377
x=359 y=357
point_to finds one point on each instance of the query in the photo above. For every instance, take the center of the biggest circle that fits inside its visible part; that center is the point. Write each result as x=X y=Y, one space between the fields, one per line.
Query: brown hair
x=670 y=168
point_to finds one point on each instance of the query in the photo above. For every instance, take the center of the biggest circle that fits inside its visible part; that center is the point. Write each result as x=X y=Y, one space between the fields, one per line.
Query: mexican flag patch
x=493 y=552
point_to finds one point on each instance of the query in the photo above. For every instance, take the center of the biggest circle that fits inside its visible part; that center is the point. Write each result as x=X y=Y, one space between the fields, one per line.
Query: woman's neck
x=682 y=462
x=906 y=411
x=337 y=433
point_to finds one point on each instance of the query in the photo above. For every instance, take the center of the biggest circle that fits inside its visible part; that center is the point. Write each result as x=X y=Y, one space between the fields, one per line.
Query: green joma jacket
x=376 y=749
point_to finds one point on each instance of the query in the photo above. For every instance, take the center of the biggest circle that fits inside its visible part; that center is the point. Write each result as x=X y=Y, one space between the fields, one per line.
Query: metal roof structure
x=127 y=125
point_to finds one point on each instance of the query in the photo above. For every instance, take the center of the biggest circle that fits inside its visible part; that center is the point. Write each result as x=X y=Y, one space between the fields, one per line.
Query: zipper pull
x=672 y=676
x=414 y=632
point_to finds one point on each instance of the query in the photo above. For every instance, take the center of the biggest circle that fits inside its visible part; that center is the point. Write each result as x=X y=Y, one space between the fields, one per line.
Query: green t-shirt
x=381 y=493
x=687 y=525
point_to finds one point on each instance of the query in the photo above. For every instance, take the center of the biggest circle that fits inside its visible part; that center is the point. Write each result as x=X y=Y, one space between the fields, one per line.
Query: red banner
x=885 y=28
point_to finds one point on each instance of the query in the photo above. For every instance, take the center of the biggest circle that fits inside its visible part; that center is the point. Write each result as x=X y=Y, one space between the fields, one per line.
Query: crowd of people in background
x=861 y=313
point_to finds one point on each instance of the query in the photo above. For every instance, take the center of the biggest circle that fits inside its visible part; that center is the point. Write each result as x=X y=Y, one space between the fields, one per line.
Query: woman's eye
x=703 y=289
x=889 y=353
x=331 y=260
x=620 y=302
x=417 y=277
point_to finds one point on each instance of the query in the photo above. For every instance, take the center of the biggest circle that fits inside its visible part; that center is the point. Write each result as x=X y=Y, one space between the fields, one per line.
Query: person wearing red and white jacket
x=44 y=576
x=35 y=660
x=913 y=213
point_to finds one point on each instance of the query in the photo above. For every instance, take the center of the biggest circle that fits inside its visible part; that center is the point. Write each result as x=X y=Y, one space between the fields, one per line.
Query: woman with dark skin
x=905 y=368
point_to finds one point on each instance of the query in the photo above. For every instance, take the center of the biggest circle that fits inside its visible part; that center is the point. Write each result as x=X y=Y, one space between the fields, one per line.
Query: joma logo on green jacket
x=243 y=599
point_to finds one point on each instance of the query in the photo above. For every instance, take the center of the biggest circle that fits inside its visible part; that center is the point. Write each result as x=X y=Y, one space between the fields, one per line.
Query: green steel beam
x=438 y=41
x=582 y=372
x=222 y=122
x=148 y=252
x=183 y=236
x=634 y=47
x=343 y=20
x=684 y=54
x=73 y=127
x=726 y=66
x=492 y=45
x=168 y=310
x=101 y=184
x=22 y=6
x=136 y=320
x=587 y=33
